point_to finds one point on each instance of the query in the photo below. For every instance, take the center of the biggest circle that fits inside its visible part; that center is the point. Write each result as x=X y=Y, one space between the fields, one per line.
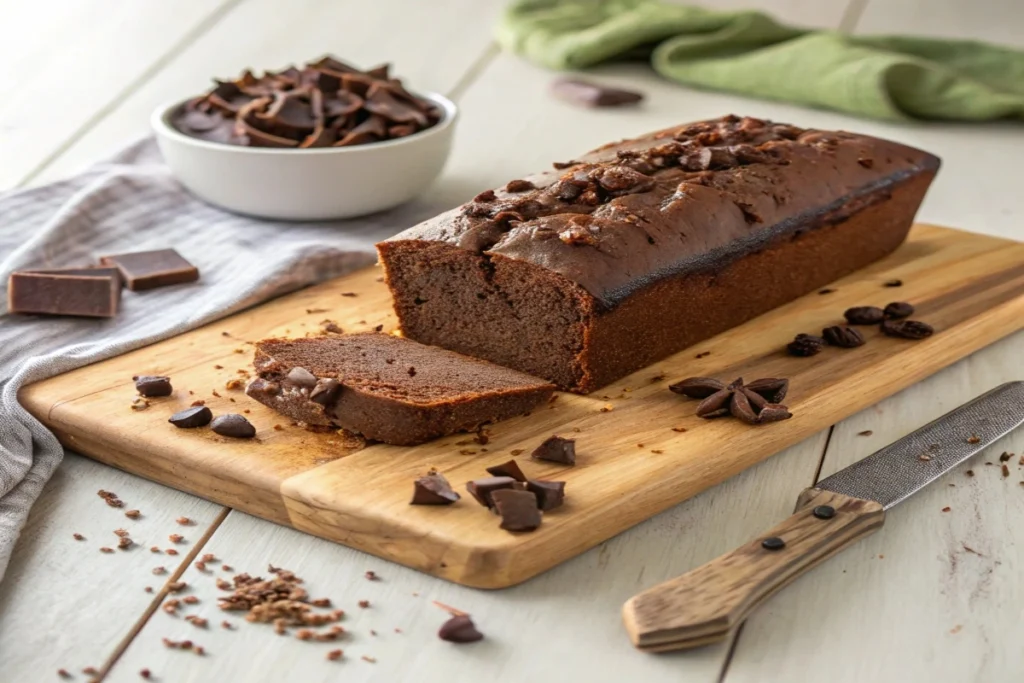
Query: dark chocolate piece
x=433 y=489
x=508 y=469
x=233 y=425
x=589 y=94
x=518 y=509
x=550 y=494
x=483 y=489
x=459 y=629
x=556 y=449
x=151 y=386
x=84 y=292
x=150 y=269
x=190 y=418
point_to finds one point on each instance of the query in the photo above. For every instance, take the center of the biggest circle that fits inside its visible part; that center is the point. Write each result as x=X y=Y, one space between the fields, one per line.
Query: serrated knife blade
x=906 y=466
x=708 y=603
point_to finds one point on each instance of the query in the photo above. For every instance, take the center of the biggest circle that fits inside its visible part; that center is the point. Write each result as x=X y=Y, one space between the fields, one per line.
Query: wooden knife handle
x=706 y=604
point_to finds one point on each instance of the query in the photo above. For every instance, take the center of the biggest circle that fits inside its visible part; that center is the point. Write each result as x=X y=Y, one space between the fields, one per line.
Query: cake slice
x=388 y=388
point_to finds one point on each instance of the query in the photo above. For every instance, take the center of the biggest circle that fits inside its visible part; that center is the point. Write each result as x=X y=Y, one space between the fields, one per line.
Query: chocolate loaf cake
x=387 y=388
x=641 y=248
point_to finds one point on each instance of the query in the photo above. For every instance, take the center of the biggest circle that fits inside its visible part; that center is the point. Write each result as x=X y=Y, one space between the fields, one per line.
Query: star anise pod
x=754 y=403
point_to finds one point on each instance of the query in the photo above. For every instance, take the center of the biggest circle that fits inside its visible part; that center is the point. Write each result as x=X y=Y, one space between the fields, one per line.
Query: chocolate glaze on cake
x=643 y=247
x=387 y=388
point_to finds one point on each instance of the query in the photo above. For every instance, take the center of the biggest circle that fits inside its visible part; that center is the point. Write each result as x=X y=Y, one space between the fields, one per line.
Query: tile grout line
x=141 y=622
x=190 y=37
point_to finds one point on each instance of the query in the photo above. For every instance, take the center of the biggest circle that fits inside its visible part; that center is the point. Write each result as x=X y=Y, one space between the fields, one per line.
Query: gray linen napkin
x=131 y=202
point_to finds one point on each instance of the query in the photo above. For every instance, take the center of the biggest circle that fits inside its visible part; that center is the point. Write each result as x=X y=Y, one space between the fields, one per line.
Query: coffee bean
x=898 y=309
x=843 y=337
x=805 y=345
x=864 y=315
x=233 y=425
x=153 y=385
x=198 y=416
x=907 y=329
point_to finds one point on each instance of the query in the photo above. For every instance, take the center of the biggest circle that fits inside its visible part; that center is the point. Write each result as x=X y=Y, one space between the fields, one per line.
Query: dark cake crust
x=387 y=388
x=643 y=247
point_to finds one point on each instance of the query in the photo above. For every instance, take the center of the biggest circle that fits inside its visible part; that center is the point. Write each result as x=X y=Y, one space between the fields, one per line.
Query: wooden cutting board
x=631 y=463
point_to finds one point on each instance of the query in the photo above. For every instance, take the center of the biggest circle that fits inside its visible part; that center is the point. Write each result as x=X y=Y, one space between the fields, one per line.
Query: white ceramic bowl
x=308 y=184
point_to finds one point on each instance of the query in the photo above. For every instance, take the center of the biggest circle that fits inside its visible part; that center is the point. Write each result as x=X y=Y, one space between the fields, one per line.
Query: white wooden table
x=933 y=597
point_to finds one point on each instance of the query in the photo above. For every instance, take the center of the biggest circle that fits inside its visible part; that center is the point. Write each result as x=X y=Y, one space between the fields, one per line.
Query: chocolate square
x=84 y=292
x=151 y=269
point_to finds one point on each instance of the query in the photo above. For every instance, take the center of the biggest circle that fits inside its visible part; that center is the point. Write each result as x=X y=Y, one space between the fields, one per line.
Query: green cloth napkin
x=884 y=77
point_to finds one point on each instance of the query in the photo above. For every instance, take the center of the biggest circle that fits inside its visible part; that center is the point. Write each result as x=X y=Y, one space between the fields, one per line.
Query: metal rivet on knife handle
x=824 y=512
x=773 y=543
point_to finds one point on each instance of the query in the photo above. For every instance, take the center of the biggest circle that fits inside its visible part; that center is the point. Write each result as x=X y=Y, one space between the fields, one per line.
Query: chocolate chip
x=153 y=385
x=907 y=329
x=518 y=509
x=507 y=469
x=485 y=196
x=898 y=309
x=556 y=449
x=697 y=387
x=301 y=377
x=459 y=629
x=550 y=494
x=433 y=489
x=482 y=489
x=843 y=337
x=199 y=416
x=233 y=425
x=805 y=345
x=325 y=391
x=864 y=315
x=589 y=94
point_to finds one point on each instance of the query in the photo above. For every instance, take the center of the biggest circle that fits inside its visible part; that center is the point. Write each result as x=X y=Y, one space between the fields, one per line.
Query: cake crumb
x=606 y=409
x=334 y=655
x=364 y=603
x=184 y=521
x=349 y=294
x=973 y=438
x=371 y=575
x=132 y=514
x=368 y=658
x=702 y=354
x=946 y=509
x=866 y=432
x=78 y=537
x=679 y=429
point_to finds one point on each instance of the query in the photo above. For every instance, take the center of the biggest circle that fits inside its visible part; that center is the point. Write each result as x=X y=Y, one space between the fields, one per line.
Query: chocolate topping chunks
x=483 y=489
x=325 y=103
x=150 y=269
x=459 y=629
x=589 y=94
x=556 y=449
x=550 y=494
x=507 y=469
x=83 y=292
x=433 y=489
x=190 y=418
x=518 y=509
x=152 y=386
x=234 y=426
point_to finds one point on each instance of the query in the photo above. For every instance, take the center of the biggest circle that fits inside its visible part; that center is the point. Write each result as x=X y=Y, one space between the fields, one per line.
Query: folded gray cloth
x=132 y=203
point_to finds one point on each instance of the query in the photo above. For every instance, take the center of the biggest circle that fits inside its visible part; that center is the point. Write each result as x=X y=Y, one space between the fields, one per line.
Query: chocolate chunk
x=556 y=449
x=233 y=425
x=589 y=94
x=508 y=469
x=864 y=315
x=84 y=292
x=518 y=509
x=907 y=329
x=325 y=391
x=197 y=416
x=433 y=489
x=301 y=377
x=550 y=494
x=898 y=309
x=150 y=269
x=459 y=629
x=482 y=489
x=843 y=337
x=697 y=387
x=153 y=385
x=805 y=345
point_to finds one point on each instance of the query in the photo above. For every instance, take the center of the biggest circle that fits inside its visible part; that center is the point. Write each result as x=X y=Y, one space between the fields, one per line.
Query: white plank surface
x=56 y=77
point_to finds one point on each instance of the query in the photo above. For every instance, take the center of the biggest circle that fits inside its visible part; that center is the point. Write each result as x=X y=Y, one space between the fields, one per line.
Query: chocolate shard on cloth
x=433 y=489
x=83 y=292
x=556 y=449
x=518 y=509
x=388 y=388
x=327 y=102
x=150 y=269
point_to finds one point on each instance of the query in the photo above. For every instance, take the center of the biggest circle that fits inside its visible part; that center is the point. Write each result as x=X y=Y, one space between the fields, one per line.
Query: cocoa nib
x=843 y=337
x=754 y=403
x=907 y=329
x=805 y=345
x=864 y=315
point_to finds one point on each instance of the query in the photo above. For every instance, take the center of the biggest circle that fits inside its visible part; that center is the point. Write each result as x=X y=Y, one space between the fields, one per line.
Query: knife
x=708 y=603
